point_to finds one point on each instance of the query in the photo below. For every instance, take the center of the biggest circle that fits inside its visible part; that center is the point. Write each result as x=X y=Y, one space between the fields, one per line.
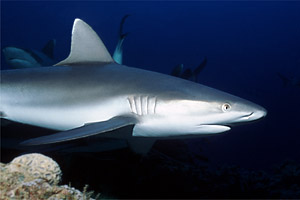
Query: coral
x=35 y=176
x=38 y=166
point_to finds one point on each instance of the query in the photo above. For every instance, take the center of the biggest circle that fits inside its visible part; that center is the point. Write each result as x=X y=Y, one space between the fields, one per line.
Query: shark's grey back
x=65 y=81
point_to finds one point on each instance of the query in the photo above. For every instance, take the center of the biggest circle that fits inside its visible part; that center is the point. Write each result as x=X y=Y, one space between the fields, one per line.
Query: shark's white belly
x=65 y=117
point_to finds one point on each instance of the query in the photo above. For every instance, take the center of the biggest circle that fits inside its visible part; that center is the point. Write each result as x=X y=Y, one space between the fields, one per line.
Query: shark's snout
x=255 y=112
x=258 y=113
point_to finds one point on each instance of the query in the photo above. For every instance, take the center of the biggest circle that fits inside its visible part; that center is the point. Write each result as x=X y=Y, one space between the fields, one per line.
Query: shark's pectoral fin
x=84 y=131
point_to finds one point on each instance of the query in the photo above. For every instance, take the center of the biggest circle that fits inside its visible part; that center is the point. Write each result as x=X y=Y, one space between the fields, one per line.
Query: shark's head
x=200 y=110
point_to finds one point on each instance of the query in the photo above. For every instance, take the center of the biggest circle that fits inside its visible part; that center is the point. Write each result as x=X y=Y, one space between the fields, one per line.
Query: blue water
x=246 y=45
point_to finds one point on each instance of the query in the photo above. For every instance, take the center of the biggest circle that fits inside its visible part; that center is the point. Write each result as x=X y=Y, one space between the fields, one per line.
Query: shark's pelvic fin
x=84 y=131
x=86 y=47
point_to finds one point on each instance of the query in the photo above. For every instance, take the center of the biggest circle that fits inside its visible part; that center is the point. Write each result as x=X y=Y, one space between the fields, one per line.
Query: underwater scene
x=150 y=99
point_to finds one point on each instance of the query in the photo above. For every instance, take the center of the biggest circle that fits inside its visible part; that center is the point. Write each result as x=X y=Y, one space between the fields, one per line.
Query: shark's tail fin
x=118 y=53
x=121 y=34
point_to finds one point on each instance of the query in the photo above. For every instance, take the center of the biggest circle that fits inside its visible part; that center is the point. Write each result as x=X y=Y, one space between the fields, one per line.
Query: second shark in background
x=289 y=81
x=189 y=74
x=19 y=58
x=118 y=53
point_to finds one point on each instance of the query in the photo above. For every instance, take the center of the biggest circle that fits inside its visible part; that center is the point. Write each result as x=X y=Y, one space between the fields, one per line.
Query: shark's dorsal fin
x=86 y=47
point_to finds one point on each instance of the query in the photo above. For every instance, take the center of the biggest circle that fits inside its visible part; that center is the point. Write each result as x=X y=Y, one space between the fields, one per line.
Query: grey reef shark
x=88 y=93
x=19 y=58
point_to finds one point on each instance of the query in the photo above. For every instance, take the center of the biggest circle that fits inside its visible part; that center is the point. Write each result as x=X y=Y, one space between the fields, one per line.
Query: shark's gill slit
x=138 y=105
x=135 y=105
x=144 y=105
x=129 y=102
x=151 y=104
x=132 y=105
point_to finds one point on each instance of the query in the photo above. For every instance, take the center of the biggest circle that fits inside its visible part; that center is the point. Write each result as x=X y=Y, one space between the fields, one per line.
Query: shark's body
x=88 y=94
x=92 y=94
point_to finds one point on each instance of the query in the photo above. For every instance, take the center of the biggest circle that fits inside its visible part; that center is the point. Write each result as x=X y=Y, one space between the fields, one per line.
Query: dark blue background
x=246 y=44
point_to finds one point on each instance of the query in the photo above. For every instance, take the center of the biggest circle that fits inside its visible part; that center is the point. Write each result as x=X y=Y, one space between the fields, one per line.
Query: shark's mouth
x=222 y=127
x=246 y=117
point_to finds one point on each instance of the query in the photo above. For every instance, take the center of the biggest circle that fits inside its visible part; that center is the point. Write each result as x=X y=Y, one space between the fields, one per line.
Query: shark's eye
x=226 y=107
